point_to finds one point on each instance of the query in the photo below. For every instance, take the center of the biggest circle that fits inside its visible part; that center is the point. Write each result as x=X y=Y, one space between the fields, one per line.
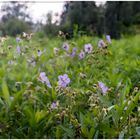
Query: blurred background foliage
x=116 y=18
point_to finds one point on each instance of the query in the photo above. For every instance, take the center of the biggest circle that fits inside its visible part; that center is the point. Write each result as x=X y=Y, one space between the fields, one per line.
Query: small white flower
x=24 y=34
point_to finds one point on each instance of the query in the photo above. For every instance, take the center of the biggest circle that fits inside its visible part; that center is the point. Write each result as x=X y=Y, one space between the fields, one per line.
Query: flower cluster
x=87 y=48
x=63 y=80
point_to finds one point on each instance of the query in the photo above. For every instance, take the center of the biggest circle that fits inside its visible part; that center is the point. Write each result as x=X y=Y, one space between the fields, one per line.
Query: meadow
x=77 y=88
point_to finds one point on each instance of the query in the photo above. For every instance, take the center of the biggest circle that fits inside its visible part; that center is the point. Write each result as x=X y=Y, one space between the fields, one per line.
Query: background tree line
x=114 y=18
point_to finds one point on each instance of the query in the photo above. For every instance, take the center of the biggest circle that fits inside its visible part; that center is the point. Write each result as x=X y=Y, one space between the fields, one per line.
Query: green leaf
x=85 y=131
x=130 y=107
x=92 y=132
x=105 y=100
x=53 y=94
x=111 y=107
x=58 y=133
x=30 y=116
x=68 y=131
x=39 y=115
x=5 y=92
x=1 y=102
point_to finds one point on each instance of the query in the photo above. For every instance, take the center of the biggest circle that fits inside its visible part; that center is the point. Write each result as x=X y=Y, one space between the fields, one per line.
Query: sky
x=39 y=9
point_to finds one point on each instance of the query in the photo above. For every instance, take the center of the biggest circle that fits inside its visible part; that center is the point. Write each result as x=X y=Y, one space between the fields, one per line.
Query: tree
x=136 y=12
x=120 y=16
x=15 y=19
x=114 y=18
x=50 y=28
x=15 y=9
x=82 y=13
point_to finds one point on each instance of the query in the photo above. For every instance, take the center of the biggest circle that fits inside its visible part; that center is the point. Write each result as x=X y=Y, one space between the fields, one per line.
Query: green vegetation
x=30 y=109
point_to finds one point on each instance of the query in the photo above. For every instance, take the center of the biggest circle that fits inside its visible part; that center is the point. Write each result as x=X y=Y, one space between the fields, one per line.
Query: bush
x=14 y=26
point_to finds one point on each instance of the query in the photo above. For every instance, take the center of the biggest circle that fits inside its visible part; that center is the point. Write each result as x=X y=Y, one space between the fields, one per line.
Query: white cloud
x=40 y=9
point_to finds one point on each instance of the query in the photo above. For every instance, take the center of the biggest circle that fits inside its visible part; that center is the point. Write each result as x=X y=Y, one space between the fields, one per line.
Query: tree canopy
x=112 y=18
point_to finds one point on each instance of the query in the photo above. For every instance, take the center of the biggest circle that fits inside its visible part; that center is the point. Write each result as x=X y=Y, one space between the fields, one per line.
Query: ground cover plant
x=85 y=87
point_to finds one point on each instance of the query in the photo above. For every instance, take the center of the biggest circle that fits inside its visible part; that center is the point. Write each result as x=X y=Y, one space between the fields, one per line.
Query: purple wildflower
x=101 y=44
x=64 y=80
x=44 y=79
x=73 y=54
x=108 y=38
x=81 y=55
x=103 y=87
x=74 y=50
x=88 y=48
x=18 y=50
x=65 y=46
x=18 y=39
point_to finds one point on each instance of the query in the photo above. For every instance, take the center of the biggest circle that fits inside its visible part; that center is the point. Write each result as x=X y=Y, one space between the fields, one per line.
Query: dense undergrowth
x=30 y=108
